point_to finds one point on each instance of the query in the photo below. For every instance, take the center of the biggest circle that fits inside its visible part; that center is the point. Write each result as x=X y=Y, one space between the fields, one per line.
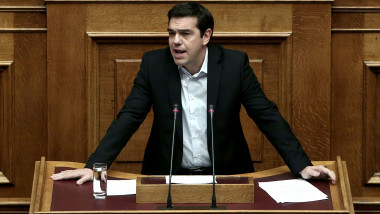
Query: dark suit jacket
x=230 y=83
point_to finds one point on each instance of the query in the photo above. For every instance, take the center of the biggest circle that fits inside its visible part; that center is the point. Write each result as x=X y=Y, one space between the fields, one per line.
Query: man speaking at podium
x=194 y=74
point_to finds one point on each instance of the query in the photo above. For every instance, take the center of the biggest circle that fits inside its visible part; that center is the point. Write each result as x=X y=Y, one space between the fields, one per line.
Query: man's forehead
x=187 y=22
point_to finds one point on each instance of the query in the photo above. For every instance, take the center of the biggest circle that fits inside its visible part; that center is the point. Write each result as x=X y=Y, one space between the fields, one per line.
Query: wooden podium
x=50 y=196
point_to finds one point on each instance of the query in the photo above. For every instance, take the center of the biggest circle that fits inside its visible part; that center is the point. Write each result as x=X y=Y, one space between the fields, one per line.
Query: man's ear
x=207 y=36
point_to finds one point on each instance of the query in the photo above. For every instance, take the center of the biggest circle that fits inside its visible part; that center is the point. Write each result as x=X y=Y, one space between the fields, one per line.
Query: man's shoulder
x=225 y=53
x=223 y=50
x=163 y=52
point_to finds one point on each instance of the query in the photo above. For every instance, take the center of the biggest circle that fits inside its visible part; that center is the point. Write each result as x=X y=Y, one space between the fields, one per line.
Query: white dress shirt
x=194 y=117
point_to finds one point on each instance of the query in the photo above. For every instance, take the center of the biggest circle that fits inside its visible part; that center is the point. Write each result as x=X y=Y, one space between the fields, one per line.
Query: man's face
x=187 y=46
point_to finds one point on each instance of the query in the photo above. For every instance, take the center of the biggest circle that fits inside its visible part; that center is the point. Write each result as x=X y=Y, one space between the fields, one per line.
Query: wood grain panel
x=229 y=17
x=118 y=62
x=356 y=3
x=355 y=40
x=311 y=78
x=376 y=177
x=372 y=46
x=243 y=17
x=7 y=130
x=66 y=82
x=371 y=145
x=30 y=19
x=14 y=205
x=324 y=105
x=21 y=96
x=347 y=20
x=127 y=17
x=347 y=105
x=6 y=46
x=6 y=20
x=30 y=107
x=22 y=2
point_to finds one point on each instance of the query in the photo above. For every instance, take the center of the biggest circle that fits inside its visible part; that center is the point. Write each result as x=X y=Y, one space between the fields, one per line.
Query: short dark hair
x=193 y=9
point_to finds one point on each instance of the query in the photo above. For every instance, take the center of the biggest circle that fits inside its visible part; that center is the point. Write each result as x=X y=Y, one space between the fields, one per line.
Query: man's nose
x=177 y=39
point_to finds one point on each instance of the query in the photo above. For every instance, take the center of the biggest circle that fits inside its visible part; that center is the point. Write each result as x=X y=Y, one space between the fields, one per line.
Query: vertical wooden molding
x=371 y=152
x=286 y=68
x=92 y=90
x=7 y=131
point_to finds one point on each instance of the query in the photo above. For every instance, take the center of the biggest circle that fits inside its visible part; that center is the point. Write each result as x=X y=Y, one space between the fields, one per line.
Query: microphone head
x=175 y=107
x=211 y=108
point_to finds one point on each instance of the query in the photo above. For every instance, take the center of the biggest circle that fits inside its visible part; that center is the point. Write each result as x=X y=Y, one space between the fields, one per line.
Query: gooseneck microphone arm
x=213 y=200
x=169 y=204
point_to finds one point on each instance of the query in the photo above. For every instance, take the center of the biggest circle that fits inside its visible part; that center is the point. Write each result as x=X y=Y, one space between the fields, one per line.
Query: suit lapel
x=213 y=83
x=174 y=87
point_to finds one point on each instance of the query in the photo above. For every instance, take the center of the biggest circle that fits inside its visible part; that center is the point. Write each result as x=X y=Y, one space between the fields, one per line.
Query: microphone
x=169 y=204
x=213 y=199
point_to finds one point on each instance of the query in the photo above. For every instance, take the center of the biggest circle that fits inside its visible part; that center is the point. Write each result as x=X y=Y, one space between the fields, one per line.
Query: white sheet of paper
x=121 y=187
x=192 y=179
x=293 y=190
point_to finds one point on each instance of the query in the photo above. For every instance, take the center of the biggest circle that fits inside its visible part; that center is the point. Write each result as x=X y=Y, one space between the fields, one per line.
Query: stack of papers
x=121 y=187
x=128 y=187
x=293 y=190
x=193 y=179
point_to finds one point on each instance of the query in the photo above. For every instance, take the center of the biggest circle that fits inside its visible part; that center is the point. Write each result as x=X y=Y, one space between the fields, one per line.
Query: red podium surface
x=66 y=197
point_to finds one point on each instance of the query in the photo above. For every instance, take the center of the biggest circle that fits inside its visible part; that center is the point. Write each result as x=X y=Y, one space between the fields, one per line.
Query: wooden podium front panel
x=68 y=196
x=44 y=187
x=229 y=189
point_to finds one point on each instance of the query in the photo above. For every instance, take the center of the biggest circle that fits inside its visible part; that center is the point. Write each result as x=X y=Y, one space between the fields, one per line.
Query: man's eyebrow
x=180 y=30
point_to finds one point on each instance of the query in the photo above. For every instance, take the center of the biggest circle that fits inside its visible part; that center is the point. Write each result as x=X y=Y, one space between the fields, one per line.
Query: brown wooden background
x=67 y=66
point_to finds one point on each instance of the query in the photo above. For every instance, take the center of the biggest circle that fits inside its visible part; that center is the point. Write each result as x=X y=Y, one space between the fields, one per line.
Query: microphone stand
x=213 y=200
x=169 y=204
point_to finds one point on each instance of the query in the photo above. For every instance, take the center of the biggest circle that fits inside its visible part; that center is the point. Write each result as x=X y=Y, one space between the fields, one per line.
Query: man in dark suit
x=195 y=74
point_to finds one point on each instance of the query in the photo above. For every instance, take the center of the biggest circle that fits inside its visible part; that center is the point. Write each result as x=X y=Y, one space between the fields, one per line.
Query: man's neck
x=196 y=68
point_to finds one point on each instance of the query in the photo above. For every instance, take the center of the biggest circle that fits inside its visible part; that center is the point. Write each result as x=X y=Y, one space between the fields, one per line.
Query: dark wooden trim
x=14 y=205
x=366 y=204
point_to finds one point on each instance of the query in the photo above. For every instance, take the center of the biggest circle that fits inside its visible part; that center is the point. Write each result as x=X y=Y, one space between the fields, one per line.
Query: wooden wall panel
x=23 y=95
x=66 y=82
x=114 y=54
x=356 y=57
x=371 y=98
x=6 y=46
x=356 y=3
x=315 y=59
x=21 y=2
x=238 y=17
x=7 y=121
x=346 y=104
x=30 y=141
x=311 y=78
